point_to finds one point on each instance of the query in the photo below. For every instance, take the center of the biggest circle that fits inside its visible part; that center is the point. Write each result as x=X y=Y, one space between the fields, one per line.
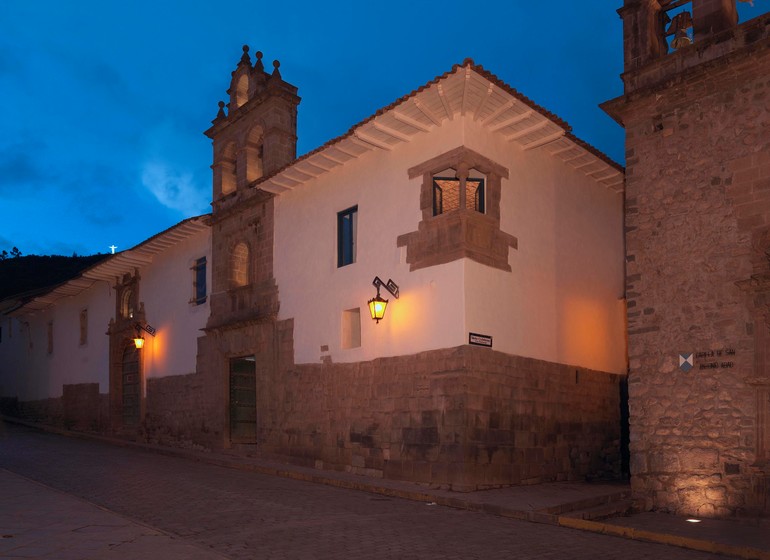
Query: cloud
x=19 y=170
x=173 y=189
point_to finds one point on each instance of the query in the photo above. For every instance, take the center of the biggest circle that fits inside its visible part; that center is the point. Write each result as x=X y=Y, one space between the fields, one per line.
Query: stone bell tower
x=257 y=133
x=253 y=135
x=696 y=109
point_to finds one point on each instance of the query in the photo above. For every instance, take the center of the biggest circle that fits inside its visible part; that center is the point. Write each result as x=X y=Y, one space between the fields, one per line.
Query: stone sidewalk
x=553 y=503
x=42 y=523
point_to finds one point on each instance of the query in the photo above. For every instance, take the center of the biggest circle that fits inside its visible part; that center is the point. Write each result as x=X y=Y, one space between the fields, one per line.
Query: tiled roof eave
x=360 y=137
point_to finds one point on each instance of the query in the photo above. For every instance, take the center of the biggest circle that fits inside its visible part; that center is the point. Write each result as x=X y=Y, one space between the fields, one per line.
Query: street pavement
x=65 y=498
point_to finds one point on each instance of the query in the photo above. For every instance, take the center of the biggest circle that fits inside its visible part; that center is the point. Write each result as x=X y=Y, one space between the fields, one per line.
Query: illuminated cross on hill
x=112 y=248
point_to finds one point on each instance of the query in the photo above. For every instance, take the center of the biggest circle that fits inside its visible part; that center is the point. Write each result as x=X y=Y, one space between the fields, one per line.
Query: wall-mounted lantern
x=377 y=304
x=139 y=339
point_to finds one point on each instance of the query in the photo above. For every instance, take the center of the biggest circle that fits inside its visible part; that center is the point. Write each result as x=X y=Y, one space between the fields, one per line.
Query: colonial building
x=498 y=226
x=69 y=355
x=696 y=110
x=495 y=235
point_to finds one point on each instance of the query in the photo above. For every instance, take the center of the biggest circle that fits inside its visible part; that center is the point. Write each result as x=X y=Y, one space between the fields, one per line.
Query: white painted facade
x=562 y=302
x=166 y=290
x=28 y=371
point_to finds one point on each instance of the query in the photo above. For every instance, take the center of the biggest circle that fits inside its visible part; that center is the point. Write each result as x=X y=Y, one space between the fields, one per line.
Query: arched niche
x=224 y=169
x=253 y=154
x=240 y=91
x=239 y=265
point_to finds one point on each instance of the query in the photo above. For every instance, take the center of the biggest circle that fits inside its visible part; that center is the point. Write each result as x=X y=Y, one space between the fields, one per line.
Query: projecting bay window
x=449 y=194
x=347 y=225
x=460 y=205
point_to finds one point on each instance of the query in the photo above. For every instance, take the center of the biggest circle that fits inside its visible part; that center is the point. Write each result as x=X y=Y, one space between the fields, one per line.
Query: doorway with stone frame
x=243 y=400
x=127 y=397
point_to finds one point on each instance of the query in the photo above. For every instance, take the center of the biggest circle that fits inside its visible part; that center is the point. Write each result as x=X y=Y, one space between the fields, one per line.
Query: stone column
x=643 y=39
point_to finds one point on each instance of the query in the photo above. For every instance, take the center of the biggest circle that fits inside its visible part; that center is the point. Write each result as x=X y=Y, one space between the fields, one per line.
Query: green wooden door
x=243 y=400
x=131 y=387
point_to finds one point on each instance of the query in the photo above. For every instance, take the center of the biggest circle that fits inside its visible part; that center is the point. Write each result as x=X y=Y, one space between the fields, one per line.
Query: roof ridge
x=478 y=68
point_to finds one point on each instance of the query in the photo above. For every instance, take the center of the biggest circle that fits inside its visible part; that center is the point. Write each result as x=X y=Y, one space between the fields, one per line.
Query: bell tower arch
x=255 y=133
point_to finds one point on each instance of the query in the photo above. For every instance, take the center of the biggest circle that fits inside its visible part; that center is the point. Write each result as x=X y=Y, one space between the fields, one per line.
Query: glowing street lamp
x=377 y=304
x=139 y=339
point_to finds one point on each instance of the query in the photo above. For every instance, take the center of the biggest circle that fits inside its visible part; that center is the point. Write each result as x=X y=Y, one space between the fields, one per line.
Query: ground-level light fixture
x=139 y=339
x=378 y=304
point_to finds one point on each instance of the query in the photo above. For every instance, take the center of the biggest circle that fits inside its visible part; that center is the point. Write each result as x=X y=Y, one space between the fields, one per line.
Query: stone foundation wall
x=462 y=418
x=81 y=408
x=175 y=413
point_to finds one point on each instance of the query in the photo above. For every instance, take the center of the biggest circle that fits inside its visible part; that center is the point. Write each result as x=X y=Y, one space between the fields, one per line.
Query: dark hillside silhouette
x=23 y=274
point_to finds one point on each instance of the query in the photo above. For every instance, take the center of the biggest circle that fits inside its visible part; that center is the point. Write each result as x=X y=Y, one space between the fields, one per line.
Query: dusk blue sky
x=104 y=103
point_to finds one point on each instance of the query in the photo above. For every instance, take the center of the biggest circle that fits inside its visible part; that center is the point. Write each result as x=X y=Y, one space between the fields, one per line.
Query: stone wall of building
x=464 y=418
x=84 y=408
x=461 y=418
x=698 y=235
x=81 y=408
x=174 y=413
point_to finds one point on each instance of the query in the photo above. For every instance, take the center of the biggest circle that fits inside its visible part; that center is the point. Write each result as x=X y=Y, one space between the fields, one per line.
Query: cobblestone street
x=247 y=515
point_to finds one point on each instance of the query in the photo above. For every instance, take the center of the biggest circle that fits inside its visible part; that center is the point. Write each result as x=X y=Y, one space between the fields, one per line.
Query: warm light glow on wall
x=700 y=496
x=585 y=333
x=156 y=352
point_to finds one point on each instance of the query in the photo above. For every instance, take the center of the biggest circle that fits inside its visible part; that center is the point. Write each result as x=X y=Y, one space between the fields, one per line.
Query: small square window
x=351 y=328
x=446 y=194
x=347 y=226
x=199 y=281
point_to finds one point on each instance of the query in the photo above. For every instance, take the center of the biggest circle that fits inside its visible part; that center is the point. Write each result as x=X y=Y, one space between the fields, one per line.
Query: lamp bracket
x=391 y=286
x=146 y=328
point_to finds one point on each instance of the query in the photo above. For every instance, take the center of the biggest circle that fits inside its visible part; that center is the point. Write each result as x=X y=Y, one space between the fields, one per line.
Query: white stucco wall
x=166 y=290
x=29 y=372
x=315 y=292
x=562 y=301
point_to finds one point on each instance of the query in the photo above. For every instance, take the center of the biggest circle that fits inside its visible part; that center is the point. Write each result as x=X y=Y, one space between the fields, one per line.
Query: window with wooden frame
x=447 y=194
x=199 y=281
x=347 y=225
